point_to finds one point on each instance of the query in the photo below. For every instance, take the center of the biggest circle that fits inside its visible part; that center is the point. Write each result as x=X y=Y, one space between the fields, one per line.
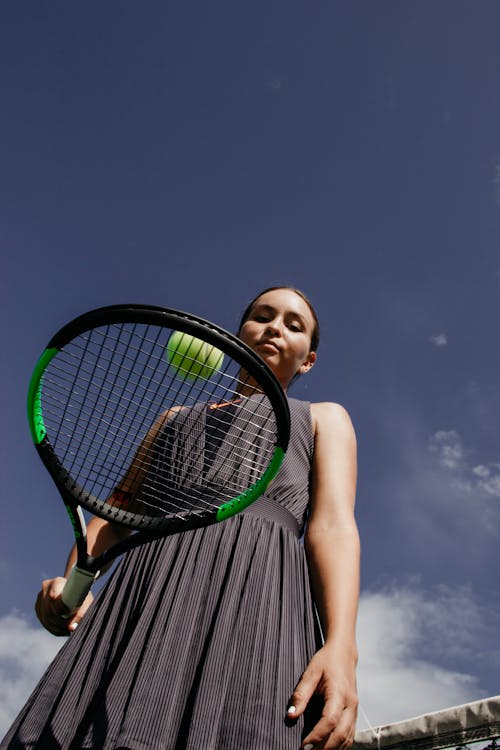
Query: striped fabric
x=196 y=641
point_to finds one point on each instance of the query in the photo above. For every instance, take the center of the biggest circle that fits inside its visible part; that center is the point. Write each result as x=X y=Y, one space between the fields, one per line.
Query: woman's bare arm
x=332 y=548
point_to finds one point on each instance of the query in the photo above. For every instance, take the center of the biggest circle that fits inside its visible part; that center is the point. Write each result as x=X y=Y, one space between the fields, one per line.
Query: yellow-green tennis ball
x=193 y=358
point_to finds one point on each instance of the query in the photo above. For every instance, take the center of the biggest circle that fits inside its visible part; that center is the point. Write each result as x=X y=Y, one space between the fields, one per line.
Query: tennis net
x=455 y=727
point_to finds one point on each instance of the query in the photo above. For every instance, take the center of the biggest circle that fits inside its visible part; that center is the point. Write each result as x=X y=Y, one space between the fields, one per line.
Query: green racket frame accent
x=35 y=417
x=240 y=502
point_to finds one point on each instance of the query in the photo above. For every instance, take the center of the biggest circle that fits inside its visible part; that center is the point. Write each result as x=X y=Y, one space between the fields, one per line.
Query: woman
x=209 y=639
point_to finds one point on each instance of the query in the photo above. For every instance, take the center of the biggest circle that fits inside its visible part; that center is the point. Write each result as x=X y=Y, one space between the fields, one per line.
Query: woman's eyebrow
x=263 y=308
x=270 y=309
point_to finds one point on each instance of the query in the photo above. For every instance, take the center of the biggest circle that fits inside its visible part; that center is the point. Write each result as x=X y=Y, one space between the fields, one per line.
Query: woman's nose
x=273 y=326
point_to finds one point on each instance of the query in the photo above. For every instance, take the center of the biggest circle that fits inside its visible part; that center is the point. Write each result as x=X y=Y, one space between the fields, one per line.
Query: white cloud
x=448 y=446
x=439 y=339
x=433 y=509
x=408 y=640
x=488 y=478
x=434 y=486
x=25 y=652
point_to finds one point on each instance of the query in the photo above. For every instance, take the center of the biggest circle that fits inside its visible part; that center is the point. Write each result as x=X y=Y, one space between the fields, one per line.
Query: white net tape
x=451 y=727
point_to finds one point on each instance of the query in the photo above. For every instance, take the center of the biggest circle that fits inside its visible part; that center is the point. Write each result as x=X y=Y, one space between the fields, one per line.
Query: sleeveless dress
x=196 y=641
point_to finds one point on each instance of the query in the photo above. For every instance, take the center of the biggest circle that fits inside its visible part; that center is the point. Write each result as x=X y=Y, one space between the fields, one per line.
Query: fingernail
x=73 y=626
x=291 y=710
x=309 y=746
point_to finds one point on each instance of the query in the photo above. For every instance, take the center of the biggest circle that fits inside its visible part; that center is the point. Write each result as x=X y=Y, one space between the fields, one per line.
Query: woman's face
x=279 y=328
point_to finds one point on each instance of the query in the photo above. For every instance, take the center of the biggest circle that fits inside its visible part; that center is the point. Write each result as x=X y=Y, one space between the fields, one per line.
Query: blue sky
x=189 y=155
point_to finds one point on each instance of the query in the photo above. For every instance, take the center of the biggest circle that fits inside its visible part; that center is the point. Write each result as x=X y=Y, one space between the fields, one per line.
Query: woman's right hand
x=53 y=613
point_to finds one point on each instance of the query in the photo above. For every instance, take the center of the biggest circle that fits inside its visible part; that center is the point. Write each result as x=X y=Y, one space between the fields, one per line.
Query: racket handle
x=77 y=586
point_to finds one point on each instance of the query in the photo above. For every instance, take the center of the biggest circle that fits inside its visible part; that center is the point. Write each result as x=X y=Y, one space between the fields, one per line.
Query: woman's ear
x=308 y=363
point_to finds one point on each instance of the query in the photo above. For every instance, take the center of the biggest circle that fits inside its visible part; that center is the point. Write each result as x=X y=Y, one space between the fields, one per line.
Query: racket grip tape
x=77 y=586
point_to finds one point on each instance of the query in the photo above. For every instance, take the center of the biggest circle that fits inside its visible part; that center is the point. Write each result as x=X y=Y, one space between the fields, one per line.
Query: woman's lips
x=267 y=346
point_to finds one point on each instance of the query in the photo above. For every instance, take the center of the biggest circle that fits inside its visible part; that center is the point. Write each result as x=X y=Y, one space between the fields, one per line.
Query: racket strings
x=66 y=406
x=116 y=423
x=184 y=480
x=190 y=472
x=189 y=498
x=110 y=375
x=108 y=435
x=65 y=378
x=118 y=416
x=221 y=465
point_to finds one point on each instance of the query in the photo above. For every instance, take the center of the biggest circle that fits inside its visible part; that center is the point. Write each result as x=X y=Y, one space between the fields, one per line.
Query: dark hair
x=315 y=333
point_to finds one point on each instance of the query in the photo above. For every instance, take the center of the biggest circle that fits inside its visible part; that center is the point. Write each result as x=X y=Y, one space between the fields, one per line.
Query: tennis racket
x=158 y=439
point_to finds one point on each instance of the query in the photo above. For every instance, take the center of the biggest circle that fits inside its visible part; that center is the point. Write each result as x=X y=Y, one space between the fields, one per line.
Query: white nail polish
x=73 y=626
x=291 y=710
x=309 y=747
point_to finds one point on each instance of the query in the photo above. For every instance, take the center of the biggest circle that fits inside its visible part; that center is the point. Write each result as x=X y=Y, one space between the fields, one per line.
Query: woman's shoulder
x=330 y=415
x=321 y=411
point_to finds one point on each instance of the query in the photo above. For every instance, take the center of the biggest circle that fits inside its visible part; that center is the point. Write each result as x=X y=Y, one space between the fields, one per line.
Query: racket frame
x=87 y=567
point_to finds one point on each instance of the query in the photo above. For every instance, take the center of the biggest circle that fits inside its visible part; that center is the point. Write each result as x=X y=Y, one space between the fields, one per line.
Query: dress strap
x=267 y=508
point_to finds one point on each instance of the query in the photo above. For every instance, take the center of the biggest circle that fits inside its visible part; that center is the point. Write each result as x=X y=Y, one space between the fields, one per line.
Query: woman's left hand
x=333 y=678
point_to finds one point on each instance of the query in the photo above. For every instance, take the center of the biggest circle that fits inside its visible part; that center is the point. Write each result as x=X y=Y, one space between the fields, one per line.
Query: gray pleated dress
x=197 y=640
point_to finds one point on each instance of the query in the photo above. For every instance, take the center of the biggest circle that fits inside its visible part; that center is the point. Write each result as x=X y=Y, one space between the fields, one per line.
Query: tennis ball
x=193 y=358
